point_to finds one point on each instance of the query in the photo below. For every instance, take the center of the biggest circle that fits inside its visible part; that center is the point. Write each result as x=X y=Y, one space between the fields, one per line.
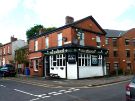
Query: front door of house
x=46 y=66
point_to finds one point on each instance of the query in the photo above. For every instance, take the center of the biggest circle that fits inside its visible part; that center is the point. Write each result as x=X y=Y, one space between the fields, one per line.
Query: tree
x=21 y=55
x=33 y=31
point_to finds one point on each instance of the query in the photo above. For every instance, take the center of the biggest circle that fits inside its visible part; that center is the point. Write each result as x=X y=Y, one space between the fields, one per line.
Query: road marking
x=2 y=86
x=57 y=93
x=34 y=99
x=61 y=90
x=52 y=93
x=24 y=92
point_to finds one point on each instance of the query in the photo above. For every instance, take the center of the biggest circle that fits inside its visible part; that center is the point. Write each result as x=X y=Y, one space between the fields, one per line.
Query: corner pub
x=73 y=51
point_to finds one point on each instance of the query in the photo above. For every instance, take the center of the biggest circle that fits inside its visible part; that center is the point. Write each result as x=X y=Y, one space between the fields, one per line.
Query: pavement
x=89 y=82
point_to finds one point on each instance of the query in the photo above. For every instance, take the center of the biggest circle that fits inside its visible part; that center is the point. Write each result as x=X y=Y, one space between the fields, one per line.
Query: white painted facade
x=72 y=71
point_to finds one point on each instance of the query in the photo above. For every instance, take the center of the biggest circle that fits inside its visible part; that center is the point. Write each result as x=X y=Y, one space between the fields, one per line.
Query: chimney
x=13 y=38
x=69 y=20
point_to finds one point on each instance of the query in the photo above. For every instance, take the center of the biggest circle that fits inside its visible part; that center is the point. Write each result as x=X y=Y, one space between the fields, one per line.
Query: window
x=3 y=61
x=107 y=41
x=133 y=42
x=57 y=61
x=60 y=39
x=114 y=42
x=47 y=42
x=98 y=41
x=8 y=49
x=89 y=60
x=128 y=66
x=35 y=65
x=115 y=53
x=127 y=53
x=127 y=41
x=4 y=51
x=36 y=45
x=84 y=59
x=116 y=65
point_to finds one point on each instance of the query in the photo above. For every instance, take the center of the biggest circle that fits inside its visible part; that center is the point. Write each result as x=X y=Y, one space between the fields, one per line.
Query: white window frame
x=47 y=42
x=4 y=61
x=60 y=39
x=4 y=51
x=98 y=40
x=84 y=57
x=35 y=63
x=8 y=49
x=58 y=58
x=36 y=45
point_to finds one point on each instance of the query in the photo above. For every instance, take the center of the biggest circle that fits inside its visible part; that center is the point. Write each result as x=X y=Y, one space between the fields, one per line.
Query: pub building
x=74 y=51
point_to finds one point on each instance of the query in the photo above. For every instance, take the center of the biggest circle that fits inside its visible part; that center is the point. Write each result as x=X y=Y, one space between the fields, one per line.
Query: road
x=17 y=91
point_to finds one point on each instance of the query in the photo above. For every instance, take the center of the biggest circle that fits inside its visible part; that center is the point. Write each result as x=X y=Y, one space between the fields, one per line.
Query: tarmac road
x=17 y=91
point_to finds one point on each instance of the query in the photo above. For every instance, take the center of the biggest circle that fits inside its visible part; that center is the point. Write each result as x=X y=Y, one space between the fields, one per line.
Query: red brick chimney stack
x=69 y=20
x=13 y=38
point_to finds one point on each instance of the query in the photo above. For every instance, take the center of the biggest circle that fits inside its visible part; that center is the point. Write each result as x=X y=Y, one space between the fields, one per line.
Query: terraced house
x=121 y=46
x=7 y=51
x=73 y=51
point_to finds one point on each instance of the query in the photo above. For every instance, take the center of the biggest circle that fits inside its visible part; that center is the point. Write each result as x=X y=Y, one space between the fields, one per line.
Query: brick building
x=75 y=50
x=7 y=51
x=121 y=46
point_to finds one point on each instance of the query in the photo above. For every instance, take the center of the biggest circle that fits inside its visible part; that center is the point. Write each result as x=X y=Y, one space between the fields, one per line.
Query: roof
x=114 y=33
x=70 y=25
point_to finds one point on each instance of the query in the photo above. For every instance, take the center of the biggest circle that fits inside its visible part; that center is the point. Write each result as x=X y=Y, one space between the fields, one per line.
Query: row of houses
x=79 y=49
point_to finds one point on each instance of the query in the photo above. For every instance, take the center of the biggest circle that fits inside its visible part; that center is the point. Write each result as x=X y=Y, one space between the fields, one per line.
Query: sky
x=17 y=16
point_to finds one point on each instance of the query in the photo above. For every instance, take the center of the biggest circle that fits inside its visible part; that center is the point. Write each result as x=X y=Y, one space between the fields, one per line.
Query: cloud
x=7 y=6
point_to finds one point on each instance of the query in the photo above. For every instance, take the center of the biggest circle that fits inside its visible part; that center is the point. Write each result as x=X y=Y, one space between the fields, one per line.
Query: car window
x=4 y=68
x=133 y=80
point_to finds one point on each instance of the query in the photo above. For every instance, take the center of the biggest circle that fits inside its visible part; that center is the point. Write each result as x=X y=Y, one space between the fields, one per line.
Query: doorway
x=46 y=66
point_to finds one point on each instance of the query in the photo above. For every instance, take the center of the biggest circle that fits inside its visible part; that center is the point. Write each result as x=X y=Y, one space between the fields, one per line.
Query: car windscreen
x=4 y=68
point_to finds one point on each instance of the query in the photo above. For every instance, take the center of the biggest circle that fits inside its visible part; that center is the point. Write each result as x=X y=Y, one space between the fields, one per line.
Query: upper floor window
x=127 y=53
x=127 y=41
x=36 y=45
x=114 y=42
x=60 y=39
x=98 y=41
x=8 y=49
x=107 y=41
x=4 y=51
x=47 y=42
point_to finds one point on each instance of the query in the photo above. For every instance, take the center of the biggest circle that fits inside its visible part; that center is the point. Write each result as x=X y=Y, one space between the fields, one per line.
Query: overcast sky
x=17 y=16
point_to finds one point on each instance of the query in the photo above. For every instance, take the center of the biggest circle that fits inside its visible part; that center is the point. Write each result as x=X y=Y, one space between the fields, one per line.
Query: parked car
x=130 y=90
x=7 y=70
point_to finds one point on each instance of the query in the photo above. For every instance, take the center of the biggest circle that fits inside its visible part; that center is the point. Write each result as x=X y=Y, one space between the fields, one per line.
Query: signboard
x=94 y=60
x=71 y=58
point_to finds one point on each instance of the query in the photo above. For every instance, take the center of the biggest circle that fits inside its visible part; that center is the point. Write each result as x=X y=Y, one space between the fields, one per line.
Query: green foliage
x=21 y=56
x=33 y=31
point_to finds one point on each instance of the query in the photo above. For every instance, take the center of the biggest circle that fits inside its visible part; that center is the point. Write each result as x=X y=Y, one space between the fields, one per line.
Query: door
x=46 y=66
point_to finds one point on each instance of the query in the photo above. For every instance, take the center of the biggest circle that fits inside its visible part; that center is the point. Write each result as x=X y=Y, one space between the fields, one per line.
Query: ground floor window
x=116 y=65
x=57 y=60
x=35 y=64
x=128 y=66
x=89 y=60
